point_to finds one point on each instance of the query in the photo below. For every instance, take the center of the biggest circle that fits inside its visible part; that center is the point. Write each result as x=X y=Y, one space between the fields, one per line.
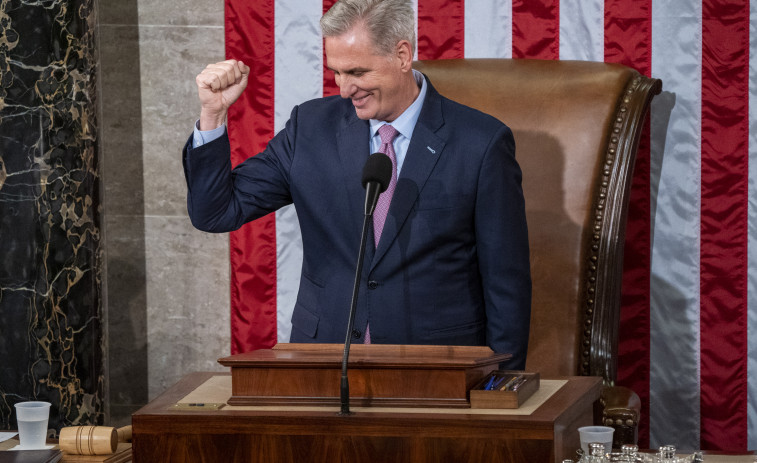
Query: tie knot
x=387 y=133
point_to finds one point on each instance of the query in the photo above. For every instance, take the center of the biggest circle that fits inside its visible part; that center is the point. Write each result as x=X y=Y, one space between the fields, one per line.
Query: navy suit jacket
x=452 y=265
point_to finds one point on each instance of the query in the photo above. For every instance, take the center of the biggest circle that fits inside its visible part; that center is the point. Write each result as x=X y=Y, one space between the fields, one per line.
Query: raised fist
x=218 y=86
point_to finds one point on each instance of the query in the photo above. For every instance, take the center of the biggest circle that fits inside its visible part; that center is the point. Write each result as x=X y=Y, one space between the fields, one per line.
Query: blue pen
x=498 y=382
x=489 y=384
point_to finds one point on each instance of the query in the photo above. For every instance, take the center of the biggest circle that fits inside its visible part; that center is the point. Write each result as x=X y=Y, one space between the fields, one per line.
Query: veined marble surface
x=50 y=253
x=161 y=287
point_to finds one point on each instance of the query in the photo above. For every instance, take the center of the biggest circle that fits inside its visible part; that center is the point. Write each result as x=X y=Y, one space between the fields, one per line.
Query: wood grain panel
x=547 y=435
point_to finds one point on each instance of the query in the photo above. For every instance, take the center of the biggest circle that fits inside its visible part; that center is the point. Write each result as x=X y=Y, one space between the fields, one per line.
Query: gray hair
x=388 y=21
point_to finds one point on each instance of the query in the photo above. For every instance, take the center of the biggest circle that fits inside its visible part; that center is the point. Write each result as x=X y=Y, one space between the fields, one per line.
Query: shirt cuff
x=202 y=137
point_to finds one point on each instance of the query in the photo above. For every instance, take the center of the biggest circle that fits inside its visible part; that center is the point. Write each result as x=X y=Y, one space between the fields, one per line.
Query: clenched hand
x=219 y=85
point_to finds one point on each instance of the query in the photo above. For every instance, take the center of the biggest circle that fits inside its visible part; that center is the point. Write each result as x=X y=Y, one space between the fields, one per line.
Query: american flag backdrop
x=689 y=321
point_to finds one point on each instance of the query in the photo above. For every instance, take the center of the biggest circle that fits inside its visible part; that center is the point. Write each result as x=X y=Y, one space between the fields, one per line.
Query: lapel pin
x=431 y=149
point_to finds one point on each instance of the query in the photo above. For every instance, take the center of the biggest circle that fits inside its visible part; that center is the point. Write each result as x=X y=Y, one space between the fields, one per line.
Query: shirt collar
x=405 y=123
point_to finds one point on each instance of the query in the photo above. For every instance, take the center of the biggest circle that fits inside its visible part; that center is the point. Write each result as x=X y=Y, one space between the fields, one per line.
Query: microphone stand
x=344 y=389
x=377 y=174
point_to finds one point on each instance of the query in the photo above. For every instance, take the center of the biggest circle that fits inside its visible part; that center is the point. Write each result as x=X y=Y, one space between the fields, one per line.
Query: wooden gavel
x=92 y=440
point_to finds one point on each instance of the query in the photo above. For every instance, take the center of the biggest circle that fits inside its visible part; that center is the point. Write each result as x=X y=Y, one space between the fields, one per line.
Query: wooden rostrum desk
x=543 y=429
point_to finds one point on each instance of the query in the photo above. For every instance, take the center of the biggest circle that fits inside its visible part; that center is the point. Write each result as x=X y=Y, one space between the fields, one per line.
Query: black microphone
x=377 y=173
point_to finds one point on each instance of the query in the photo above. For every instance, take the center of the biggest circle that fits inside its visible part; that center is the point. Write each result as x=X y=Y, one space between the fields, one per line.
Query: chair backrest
x=577 y=127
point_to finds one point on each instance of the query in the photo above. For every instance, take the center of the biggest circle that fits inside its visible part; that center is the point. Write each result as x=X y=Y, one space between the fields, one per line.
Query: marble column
x=167 y=300
x=50 y=254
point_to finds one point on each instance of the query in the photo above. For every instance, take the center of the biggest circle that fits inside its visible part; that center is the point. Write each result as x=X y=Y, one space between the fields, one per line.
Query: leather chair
x=577 y=127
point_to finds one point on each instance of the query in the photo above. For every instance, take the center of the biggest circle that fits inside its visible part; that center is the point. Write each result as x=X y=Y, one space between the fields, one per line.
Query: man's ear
x=405 y=54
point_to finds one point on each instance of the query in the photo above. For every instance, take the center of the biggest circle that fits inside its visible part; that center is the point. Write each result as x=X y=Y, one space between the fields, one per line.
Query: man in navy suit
x=451 y=266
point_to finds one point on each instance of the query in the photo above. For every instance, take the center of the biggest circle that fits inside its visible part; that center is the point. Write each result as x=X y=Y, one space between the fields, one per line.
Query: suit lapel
x=422 y=154
x=353 y=147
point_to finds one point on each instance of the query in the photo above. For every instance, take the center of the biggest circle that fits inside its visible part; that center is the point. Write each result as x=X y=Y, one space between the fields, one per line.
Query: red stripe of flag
x=441 y=29
x=536 y=29
x=628 y=40
x=250 y=37
x=723 y=253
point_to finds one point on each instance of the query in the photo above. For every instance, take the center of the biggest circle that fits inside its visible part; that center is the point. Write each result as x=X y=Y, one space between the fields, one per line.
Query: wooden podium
x=379 y=375
x=282 y=433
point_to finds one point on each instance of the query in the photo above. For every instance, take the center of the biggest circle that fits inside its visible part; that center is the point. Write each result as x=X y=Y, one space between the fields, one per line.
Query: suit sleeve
x=222 y=199
x=503 y=253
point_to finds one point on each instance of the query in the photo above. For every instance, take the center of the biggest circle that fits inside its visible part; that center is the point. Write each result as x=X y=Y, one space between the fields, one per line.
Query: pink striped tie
x=387 y=134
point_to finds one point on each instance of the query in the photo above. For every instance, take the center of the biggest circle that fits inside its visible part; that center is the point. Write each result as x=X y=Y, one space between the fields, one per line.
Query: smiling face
x=381 y=86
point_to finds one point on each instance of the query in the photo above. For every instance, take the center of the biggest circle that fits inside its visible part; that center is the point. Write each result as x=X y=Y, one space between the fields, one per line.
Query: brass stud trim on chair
x=599 y=222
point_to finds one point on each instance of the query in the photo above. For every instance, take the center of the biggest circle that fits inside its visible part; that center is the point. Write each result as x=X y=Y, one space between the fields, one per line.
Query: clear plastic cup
x=32 y=420
x=600 y=434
